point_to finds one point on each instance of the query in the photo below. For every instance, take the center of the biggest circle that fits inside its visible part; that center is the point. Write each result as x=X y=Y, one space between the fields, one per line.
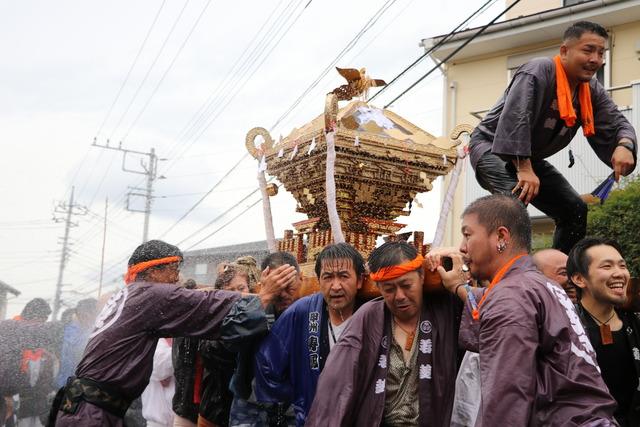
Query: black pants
x=556 y=197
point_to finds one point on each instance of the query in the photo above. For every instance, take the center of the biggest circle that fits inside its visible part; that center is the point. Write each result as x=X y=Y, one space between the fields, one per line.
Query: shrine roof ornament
x=352 y=170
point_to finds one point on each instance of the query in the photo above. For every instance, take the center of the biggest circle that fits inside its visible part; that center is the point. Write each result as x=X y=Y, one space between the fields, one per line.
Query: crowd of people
x=511 y=338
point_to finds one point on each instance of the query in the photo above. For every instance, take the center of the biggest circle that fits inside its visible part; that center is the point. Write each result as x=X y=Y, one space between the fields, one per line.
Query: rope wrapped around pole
x=260 y=156
x=266 y=212
x=448 y=199
x=330 y=189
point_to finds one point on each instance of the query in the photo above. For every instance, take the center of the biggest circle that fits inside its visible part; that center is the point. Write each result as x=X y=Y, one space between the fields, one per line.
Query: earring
x=501 y=246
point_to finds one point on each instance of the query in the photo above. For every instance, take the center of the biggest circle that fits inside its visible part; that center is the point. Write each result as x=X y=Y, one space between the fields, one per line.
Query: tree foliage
x=619 y=218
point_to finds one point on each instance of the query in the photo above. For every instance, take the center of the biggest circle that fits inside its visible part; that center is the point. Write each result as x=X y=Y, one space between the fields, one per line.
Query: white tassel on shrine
x=356 y=142
x=330 y=189
x=266 y=211
x=312 y=146
x=281 y=153
x=263 y=164
x=448 y=199
x=294 y=152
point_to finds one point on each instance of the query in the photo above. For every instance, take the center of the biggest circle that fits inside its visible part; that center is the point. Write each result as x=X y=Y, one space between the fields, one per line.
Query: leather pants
x=556 y=197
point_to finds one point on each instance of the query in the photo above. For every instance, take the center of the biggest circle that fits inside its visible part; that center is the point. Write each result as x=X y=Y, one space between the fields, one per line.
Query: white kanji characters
x=383 y=361
x=425 y=372
x=380 y=385
x=426 y=346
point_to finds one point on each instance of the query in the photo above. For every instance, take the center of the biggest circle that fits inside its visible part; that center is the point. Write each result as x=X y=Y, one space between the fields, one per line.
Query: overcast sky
x=208 y=72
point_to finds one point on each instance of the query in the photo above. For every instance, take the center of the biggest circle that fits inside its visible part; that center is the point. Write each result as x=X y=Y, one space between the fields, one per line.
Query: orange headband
x=133 y=271
x=394 y=271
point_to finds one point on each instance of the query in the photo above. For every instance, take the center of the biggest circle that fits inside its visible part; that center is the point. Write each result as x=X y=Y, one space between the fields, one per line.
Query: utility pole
x=150 y=169
x=69 y=209
x=104 y=241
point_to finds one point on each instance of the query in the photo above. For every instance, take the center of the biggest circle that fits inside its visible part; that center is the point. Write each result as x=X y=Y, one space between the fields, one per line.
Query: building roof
x=230 y=250
x=7 y=288
x=535 y=29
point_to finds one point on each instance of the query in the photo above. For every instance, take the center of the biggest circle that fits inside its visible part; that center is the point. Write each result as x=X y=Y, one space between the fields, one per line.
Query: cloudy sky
x=188 y=78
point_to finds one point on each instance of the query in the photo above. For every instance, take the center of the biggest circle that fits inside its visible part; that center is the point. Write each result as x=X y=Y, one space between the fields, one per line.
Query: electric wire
x=135 y=61
x=370 y=23
x=452 y=54
x=167 y=70
x=435 y=47
x=148 y=72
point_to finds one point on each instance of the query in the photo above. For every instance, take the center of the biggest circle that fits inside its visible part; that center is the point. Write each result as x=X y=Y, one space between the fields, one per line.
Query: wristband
x=471 y=296
x=628 y=145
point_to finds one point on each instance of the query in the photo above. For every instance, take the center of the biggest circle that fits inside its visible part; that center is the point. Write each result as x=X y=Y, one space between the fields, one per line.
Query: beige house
x=476 y=77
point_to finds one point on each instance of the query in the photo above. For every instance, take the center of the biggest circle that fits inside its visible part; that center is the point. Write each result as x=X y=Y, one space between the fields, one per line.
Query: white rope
x=448 y=200
x=266 y=211
x=330 y=189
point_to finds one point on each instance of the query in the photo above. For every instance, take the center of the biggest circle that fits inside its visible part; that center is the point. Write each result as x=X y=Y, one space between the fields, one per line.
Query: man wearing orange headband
x=117 y=362
x=539 y=114
x=396 y=361
x=537 y=366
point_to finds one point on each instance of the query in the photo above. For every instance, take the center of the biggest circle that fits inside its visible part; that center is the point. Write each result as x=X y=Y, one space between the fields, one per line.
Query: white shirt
x=337 y=331
x=156 y=398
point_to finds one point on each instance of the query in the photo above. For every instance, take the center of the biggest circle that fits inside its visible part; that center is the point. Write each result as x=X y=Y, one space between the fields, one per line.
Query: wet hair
x=153 y=249
x=67 y=315
x=390 y=254
x=249 y=265
x=579 y=260
x=190 y=284
x=338 y=251
x=500 y=210
x=35 y=309
x=230 y=272
x=277 y=259
x=576 y=30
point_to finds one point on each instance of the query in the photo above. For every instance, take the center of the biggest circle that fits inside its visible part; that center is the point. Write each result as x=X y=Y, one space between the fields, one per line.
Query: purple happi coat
x=120 y=349
x=537 y=365
x=351 y=388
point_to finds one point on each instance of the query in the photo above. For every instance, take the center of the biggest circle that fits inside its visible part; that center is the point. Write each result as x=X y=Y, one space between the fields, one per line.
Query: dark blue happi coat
x=289 y=360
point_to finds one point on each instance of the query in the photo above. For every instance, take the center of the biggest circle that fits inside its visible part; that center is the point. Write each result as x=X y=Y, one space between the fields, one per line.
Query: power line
x=232 y=92
x=201 y=111
x=166 y=72
x=196 y=204
x=135 y=61
x=347 y=48
x=433 y=48
x=225 y=224
x=218 y=217
x=109 y=111
x=370 y=23
x=146 y=76
x=257 y=48
x=462 y=46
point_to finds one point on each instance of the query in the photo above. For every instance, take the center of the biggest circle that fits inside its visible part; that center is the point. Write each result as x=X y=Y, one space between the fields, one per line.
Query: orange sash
x=133 y=271
x=565 y=101
x=476 y=311
x=394 y=271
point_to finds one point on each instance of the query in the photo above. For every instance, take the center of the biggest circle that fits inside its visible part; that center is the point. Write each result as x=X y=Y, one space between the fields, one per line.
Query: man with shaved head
x=553 y=264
